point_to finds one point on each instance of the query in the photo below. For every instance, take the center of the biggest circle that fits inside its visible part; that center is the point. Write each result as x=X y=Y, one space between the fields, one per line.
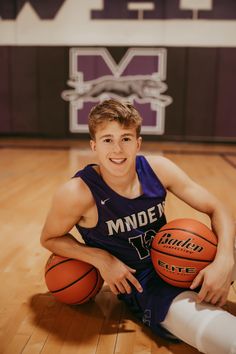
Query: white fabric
x=208 y=328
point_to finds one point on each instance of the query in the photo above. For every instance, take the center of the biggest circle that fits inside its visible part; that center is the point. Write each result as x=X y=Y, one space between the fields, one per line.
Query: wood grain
x=31 y=320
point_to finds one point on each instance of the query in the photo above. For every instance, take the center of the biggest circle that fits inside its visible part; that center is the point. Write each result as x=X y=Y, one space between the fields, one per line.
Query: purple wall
x=201 y=82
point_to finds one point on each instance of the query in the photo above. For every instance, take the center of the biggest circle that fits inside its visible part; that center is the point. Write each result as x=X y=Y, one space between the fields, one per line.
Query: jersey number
x=142 y=243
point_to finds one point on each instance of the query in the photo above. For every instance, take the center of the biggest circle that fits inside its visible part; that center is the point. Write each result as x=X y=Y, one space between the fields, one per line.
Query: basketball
x=72 y=281
x=180 y=249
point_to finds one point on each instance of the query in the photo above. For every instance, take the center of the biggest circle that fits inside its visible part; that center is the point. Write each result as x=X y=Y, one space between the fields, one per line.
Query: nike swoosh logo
x=104 y=201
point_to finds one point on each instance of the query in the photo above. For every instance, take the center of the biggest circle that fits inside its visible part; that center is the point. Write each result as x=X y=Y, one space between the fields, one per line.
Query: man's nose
x=117 y=147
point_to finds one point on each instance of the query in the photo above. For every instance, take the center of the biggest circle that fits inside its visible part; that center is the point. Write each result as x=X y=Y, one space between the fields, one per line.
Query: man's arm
x=215 y=278
x=70 y=205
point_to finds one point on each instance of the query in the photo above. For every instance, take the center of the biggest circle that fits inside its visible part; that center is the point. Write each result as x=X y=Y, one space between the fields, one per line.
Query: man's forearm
x=68 y=246
x=223 y=225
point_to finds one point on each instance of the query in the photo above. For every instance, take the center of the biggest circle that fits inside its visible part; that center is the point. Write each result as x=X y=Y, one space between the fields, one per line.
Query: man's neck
x=128 y=186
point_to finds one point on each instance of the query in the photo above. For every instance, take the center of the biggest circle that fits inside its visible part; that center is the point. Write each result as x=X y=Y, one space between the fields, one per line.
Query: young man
x=118 y=206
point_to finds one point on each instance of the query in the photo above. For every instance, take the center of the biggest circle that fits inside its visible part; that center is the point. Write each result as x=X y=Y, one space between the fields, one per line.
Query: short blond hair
x=113 y=110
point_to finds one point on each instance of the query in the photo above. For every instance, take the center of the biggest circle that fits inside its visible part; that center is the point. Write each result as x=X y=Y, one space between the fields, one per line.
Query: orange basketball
x=72 y=281
x=180 y=249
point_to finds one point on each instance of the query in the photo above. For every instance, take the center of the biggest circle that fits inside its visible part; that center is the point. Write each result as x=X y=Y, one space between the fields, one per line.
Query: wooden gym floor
x=31 y=321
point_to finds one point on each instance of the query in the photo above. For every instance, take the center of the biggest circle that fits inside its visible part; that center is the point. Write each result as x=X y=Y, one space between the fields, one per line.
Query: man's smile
x=117 y=161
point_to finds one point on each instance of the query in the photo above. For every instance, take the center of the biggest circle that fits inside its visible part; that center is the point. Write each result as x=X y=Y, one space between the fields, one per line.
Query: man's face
x=116 y=147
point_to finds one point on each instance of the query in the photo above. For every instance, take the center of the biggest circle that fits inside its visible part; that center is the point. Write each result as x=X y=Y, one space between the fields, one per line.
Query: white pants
x=208 y=328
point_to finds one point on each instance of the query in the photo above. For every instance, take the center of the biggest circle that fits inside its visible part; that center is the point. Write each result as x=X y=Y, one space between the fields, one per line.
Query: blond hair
x=112 y=110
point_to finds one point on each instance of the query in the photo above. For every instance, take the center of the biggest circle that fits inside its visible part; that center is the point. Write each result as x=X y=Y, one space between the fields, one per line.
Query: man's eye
x=107 y=140
x=127 y=139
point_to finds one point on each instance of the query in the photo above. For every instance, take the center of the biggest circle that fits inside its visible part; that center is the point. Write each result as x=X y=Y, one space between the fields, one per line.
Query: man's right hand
x=118 y=275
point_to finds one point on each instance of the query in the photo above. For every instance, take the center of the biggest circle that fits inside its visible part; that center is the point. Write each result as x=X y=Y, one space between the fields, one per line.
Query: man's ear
x=93 y=145
x=139 y=141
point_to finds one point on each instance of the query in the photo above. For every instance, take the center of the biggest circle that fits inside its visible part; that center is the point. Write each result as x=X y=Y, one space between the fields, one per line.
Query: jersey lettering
x=131 y=222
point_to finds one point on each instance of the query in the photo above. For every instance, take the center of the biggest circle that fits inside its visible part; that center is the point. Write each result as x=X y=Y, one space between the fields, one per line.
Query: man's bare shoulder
x=163 y=168
x=158 y=161
x=74 y=194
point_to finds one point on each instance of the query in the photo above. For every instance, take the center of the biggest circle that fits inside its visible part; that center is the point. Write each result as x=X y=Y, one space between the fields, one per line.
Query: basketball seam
x=189 y=231
x=182 y=257
x=88 y=295
x=67 y=286
x=177 y=280
x=55 y=265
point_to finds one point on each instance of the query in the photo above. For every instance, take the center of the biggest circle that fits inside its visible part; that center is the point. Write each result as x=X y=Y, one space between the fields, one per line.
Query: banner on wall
x=124 y=22
x=138 y=78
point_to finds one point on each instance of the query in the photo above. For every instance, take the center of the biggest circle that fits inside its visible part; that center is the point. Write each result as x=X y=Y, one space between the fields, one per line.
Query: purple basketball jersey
x=126 y=226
